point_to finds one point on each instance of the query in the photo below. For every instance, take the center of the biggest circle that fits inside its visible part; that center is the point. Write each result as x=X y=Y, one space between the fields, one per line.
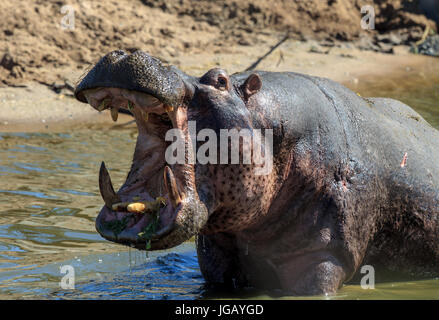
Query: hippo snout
x=137 y=72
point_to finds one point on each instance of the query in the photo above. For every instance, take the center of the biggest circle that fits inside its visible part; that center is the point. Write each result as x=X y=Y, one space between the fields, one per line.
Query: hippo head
x=170 y=106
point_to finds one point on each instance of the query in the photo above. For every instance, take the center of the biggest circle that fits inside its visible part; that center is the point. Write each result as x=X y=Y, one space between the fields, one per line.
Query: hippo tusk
x=171 y=186
x=136 y=207
x=106 y=187
x=114 y=113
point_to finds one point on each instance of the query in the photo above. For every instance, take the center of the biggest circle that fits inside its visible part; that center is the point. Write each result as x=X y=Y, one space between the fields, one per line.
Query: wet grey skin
x=355 y=181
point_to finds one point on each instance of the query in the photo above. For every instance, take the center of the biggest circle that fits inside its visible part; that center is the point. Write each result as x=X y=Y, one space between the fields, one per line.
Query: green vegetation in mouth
x=152 y=208
x=130 y=106
x=159 y=203
x=117 y=226
x=151 y=228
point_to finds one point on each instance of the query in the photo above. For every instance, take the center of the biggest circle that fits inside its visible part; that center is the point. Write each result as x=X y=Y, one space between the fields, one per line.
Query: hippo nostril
x=115 y=56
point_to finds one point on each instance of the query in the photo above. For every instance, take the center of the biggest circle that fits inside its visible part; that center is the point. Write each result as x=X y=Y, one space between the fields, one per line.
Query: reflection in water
x=49 y=199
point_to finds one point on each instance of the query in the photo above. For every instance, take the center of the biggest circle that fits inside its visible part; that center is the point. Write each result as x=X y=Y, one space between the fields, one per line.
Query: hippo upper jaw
x=137 y=72
x=172 y=211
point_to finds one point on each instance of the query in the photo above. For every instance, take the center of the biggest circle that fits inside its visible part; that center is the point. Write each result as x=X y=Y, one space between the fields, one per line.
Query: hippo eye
x=222 y=83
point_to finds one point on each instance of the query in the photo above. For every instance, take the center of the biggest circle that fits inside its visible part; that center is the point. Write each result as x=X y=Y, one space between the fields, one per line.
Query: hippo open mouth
x=158 y=206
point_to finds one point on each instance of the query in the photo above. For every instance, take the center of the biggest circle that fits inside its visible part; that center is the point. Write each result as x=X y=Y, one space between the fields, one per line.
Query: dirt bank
x=40 y=60
x=35 y=46
x=38 y=108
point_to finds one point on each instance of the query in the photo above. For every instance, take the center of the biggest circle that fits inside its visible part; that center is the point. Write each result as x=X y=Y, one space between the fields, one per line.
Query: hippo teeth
x=106 y=187
x=171 y=186
x=114 y=113
x=168 y=109
x=104 y=104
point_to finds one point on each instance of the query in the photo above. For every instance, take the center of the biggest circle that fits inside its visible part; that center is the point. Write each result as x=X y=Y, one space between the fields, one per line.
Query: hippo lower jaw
x=181 y=214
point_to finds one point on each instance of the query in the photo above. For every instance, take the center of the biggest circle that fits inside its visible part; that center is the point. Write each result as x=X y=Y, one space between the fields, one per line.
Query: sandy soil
x=38 y=108
x=40 y=62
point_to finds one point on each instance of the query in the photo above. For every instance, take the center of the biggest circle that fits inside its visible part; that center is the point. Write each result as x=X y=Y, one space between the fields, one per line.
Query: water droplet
x=129 y=257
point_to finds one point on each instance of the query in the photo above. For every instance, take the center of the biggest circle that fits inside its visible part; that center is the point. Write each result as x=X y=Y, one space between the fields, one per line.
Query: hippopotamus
x=354 y=181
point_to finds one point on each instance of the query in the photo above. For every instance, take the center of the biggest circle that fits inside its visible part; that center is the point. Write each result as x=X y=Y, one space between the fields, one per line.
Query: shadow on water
x=174 y=275
x=49 y=199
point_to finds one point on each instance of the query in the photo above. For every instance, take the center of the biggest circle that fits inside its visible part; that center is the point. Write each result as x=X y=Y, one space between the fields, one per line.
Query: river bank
x=47 y=46
x=33 y=106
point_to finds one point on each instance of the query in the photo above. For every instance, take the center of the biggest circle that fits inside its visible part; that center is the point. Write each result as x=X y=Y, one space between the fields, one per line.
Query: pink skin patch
x=404 y=160
x=343 y=184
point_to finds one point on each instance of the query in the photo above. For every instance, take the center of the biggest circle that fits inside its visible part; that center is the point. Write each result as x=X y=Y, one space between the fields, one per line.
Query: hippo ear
x=251 y=85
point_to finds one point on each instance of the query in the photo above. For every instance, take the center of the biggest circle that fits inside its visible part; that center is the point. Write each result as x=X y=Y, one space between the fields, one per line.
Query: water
x=49 y=199
x=417 y=87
